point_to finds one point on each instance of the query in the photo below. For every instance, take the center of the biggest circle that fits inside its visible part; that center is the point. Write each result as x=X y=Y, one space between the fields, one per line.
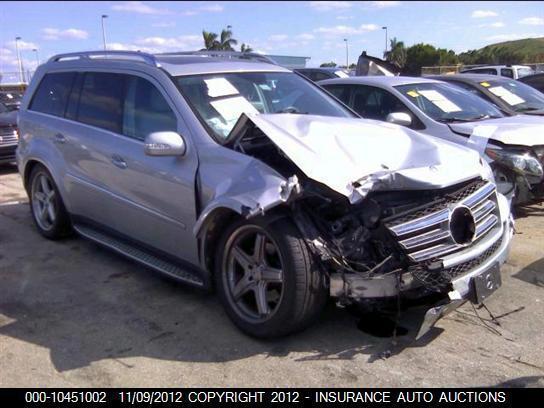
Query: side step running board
x=139 y=255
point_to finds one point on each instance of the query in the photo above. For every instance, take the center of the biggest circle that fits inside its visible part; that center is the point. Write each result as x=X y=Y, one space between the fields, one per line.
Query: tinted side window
x=101 y=101
x=339 y=91
x=376 y=103
x=319 y=76
x=507 y=72
x=536 y=82
x=52 y=93
x=145 y=110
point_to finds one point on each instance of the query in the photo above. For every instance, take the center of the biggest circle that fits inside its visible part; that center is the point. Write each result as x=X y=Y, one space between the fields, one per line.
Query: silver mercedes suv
x=245 y=177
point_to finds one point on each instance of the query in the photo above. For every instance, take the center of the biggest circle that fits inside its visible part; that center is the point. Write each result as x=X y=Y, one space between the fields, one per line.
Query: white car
x=510 y=71
x=514 y=146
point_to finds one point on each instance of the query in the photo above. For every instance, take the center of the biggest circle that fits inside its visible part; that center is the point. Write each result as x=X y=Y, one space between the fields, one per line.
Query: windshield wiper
x=473 y=119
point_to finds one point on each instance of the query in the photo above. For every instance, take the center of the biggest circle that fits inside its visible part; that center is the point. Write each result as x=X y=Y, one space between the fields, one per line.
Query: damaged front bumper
x=480 y=276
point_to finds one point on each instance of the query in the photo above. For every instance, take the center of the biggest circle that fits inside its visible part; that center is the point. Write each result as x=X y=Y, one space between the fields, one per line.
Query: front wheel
x=267 y=280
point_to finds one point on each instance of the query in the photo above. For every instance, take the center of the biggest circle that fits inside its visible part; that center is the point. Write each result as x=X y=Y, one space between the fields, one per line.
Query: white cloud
x=344 y=17
x=346 y=30
x=483 y=14
x=330 y=5
x=138 y=7
x=68 y=34
x=305 y=37
x=164 y=24
x=212 y=8
x=278 y=37
x=385 y=4
x=532 y=21
x=23 y=45
x=498 y=24
x=160 y=44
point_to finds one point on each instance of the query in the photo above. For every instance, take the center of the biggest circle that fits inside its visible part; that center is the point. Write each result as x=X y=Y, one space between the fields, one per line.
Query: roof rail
x=227 y=54
x=109 y=55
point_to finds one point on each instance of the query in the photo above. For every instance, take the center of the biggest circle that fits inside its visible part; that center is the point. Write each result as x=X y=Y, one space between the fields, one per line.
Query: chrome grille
x=8 y=135
x=429 y=237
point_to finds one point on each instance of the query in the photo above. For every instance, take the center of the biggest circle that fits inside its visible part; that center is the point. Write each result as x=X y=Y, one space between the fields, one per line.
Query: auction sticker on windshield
x=440 y=101
x=507 y=96
x=220 y=87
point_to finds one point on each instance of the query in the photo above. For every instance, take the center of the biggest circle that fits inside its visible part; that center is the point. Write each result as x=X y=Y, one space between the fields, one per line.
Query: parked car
x=318 y=74
x=512 y=97
x=11 y=100
x=536 y=81
x=8 y=134
x=509 y=71
x=514 y=146
x=245 y=177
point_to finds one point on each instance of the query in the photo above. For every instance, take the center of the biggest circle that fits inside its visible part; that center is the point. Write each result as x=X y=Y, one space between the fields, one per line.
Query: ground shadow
x=85 y=303
x=529 y=210
x=536 y=381
x=8 y=169
x=533 y=273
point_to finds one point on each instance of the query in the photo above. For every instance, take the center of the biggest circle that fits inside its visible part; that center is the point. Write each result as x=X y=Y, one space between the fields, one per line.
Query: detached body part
x=246 y=177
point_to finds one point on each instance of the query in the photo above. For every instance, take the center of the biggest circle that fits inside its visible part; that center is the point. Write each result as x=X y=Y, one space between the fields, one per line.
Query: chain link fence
x=15 y=78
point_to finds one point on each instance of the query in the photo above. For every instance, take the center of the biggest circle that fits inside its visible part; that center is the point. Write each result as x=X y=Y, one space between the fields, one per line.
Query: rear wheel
x=267 y=280
x=48 y=211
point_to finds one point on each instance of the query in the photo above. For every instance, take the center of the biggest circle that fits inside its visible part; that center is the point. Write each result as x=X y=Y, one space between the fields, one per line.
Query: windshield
x=220 y=99
x=3 y=108
x=520 y=97
x=446 y=103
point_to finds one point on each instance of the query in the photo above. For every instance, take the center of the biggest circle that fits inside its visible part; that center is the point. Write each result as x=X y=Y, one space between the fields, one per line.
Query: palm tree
x=397 y=54
x=226 y=41
x=246 y=48
x=210 y=40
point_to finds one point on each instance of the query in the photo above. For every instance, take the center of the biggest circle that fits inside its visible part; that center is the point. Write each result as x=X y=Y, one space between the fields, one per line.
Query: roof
x=202 y=64
x=470 y=78
x=174 y=64
x=374 y=80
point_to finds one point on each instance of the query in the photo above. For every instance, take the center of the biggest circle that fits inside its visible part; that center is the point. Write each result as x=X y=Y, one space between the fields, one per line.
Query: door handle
x=60 y=138
x=118 y=161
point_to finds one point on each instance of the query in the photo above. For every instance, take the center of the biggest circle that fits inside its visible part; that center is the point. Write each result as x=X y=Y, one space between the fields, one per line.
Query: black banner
x=118 y=397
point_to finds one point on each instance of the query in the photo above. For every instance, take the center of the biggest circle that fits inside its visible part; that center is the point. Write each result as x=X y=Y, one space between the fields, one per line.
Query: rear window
x=101 y=101
x=52 y=93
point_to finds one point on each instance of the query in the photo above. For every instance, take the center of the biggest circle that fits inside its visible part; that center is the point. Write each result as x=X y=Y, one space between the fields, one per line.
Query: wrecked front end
x=393 y=233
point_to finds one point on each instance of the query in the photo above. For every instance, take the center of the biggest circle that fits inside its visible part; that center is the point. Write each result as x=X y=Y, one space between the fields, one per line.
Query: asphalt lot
x=74 y=314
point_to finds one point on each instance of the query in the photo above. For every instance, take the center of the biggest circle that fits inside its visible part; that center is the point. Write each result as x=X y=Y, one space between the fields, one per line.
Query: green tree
x=328 y=64
x=420 y=55
x=246 y=48
x=210 y=40
x=226 y=41
x=397 y=53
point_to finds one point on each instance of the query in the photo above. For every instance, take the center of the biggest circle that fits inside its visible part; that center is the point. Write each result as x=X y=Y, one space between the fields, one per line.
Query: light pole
x=19 y=62
x=385 y=28
x=347 y=59
x=104 y=16
x=37 y=57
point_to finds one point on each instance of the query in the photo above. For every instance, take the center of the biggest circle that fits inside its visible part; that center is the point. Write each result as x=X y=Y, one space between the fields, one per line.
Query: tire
x=302 y=292
x=48 y=210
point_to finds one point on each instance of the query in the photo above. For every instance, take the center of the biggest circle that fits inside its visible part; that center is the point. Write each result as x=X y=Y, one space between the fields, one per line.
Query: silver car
x=513 y=145
x=246 y=177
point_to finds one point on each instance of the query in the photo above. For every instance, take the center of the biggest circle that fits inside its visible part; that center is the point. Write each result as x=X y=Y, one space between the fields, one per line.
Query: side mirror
x=164 y=144
x=399 y=118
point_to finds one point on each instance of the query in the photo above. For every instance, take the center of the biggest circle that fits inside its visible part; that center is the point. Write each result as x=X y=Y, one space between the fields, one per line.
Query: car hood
x=354 y=156
x=517 y=130
x=8 y=118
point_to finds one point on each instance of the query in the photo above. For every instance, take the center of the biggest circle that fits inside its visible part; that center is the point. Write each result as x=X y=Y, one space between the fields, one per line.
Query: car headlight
x=520 y=161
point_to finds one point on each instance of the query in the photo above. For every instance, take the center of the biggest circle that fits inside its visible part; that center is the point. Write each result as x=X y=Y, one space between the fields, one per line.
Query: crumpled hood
x=353 y=156
x=522 y=130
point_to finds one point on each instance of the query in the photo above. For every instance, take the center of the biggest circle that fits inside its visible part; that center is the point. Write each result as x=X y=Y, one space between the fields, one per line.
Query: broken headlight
x=521 y=161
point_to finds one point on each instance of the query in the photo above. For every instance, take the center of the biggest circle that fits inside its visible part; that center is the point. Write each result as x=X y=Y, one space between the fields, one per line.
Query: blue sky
x=314 y=29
